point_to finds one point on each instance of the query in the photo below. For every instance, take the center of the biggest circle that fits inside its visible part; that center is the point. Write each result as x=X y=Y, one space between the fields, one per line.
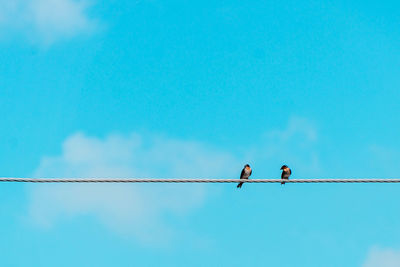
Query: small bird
x=286 y=172
x=246 y=172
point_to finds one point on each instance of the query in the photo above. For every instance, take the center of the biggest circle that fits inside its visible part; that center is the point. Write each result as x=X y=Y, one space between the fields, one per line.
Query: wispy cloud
x=128 y=209
x=294 y=144
x=379 y=257
x=46 y=21
x=139 y=210
x=383 y=158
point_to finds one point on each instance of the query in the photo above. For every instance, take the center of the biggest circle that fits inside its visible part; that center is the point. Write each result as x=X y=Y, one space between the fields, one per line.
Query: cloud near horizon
x=379 y=257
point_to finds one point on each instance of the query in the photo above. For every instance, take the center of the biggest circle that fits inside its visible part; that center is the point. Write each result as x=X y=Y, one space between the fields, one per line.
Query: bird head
x=247 y=166
x=284 y=167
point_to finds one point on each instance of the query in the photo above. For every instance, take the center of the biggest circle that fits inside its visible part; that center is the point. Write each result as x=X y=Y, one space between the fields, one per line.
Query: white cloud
x=45 y=21
x=128 y=209
x=378 y=257
x=139 y=210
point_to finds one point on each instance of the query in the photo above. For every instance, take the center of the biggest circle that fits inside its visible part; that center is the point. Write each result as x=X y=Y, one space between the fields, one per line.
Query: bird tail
x=282 y=182
x=239 y=185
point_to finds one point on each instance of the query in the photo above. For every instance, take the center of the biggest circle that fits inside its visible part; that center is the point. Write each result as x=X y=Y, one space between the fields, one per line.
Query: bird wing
x=242 y=174
x=285 y=175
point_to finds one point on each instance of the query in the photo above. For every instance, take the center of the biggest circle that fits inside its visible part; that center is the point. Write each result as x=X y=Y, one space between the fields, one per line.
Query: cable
x=151 y=180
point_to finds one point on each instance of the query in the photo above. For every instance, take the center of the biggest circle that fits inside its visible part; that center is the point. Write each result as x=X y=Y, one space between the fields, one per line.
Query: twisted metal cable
x=151 y=180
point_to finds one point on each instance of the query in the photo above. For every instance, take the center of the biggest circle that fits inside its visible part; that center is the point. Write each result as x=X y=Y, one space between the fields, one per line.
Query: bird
x=246 y=172
x=286 y=172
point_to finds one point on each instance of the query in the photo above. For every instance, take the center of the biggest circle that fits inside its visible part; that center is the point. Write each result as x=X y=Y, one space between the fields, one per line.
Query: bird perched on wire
x=286 y=172
x=246 y=172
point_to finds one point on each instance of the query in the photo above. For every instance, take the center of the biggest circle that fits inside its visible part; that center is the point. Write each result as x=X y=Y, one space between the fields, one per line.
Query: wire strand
x=167 y=180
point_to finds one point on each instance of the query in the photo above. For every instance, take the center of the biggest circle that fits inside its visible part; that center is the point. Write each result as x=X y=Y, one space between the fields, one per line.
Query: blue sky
x=198 y=89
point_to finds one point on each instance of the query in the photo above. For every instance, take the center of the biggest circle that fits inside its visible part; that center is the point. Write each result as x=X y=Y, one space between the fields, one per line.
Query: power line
x=167 y=180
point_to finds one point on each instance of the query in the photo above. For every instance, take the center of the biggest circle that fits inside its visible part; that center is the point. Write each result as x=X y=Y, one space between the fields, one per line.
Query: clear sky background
x=154 y=88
